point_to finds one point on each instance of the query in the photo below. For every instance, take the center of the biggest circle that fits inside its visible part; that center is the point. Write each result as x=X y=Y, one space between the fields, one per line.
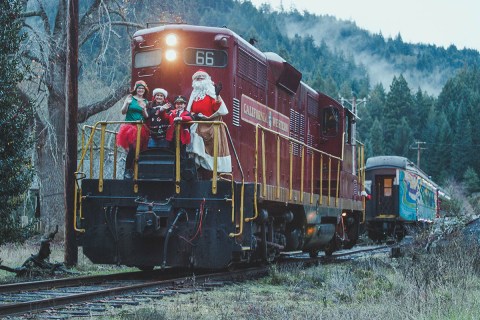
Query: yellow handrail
x=311 y=177
x=361 y=174
x=177 y=158
x=260 y=135
x=329 y=179
x=83 y=149
x=255 y=173
x=321 y=179
x=137 y=153
x=242 y=195
x=302 y=174
x=102 y=156
x=264 y=167
x=77 y=206
x=290 y=193
x=215 y=158
x=338 y=184
x=278 y=167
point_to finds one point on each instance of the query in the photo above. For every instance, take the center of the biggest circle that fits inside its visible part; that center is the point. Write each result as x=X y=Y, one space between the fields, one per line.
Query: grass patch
x=14 y=255
x=440 y=284
x=443 y=283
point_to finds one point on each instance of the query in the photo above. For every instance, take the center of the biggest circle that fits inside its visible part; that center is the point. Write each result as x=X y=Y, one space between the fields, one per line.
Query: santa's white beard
x=201 y=88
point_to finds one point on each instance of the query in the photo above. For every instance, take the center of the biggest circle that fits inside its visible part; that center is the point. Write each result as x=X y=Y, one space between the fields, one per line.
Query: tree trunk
x=51 y=150
x=51 y=178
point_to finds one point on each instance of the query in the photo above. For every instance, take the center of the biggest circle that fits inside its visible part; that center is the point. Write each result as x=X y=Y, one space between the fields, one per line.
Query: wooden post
x=71 y=94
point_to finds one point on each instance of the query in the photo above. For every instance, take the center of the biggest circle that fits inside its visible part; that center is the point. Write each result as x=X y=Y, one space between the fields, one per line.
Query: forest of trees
x=392 y=120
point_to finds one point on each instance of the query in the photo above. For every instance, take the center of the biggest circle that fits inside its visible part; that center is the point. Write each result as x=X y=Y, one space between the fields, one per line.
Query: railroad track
x=90 y=296
x=15 y=302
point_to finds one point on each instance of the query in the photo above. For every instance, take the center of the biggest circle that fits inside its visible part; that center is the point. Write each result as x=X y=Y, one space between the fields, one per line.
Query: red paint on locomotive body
x=258 y=88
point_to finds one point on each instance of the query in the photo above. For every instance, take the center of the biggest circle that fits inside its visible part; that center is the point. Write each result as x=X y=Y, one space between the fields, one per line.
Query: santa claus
x=205 y=104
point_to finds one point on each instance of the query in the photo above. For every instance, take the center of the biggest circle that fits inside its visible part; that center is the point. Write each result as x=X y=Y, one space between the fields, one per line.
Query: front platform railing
x=98 y=143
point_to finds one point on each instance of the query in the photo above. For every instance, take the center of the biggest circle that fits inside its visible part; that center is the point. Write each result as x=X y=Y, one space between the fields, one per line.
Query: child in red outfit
x=179 y=114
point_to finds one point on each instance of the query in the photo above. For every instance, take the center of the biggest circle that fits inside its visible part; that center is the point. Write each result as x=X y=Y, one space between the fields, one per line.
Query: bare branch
x=87 y=111
x=33 y=58
x=59 y=30
x=39 y=124
x=44 y=17
x=30 y=14
x=96 y=28
x=90 y=10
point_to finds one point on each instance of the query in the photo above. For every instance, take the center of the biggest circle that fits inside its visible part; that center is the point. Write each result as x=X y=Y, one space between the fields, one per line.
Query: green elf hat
x=138 y=84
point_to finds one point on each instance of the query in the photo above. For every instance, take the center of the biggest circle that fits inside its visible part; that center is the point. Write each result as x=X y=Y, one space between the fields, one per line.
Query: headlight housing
x=171 y=40
x=170 y=55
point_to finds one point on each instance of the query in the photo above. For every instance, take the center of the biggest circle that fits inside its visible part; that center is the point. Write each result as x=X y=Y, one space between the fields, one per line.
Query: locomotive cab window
x=330 y=121
x=348 y=127
x=146 y=59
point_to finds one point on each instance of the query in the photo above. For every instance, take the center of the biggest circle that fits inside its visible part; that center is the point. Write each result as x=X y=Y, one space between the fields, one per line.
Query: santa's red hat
x=200 y=73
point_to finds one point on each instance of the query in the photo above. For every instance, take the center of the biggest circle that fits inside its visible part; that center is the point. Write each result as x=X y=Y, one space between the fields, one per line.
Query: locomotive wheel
x=330 y=248
x=399 y=232
x=329 y=251
x=313 y=253
x=375 y=236
x=349 y=245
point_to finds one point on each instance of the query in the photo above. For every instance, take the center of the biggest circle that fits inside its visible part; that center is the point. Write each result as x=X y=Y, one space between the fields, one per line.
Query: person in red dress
x=135 y=109
x=205 y=104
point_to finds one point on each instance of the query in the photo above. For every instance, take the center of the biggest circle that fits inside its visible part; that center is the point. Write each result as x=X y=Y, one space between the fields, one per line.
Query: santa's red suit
x=206 y=106
x=202 y=134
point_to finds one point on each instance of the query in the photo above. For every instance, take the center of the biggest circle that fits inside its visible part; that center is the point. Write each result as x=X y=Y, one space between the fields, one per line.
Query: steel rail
x=74 y=281
x=39 y=305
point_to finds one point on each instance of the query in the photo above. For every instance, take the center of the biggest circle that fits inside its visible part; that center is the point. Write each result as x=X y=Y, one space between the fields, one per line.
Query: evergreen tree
x=400 y=146
x=370 y=111
x=462 y=143
x=376 y=142
x=422 y=104
x=443 y=147
x=429 y=134
x=472 y=181
x=397 y=105
x=16 y=118
x=459 y=100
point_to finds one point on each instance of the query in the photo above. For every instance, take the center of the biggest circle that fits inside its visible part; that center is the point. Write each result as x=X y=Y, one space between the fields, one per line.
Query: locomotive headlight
x=171 y=40
x=170 y=55
x=311 y=230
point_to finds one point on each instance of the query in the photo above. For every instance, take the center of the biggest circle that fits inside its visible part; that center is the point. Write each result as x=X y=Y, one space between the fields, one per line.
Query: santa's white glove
x=177 y=119
x=201 y=116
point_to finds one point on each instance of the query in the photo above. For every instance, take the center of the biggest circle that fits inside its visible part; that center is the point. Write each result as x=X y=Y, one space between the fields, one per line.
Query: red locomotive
x=296 y=169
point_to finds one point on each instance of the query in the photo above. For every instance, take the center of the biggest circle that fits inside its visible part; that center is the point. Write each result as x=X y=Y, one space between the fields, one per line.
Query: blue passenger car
x=401 y=195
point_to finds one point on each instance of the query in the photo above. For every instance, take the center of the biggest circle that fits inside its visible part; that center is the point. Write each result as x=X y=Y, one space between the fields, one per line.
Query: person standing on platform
x=135 y=109
x=179 y=114
x=205 y=104
x=157 y=125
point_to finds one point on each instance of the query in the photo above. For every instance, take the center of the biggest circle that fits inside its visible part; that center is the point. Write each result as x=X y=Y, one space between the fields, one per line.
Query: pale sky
x=439 y=22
